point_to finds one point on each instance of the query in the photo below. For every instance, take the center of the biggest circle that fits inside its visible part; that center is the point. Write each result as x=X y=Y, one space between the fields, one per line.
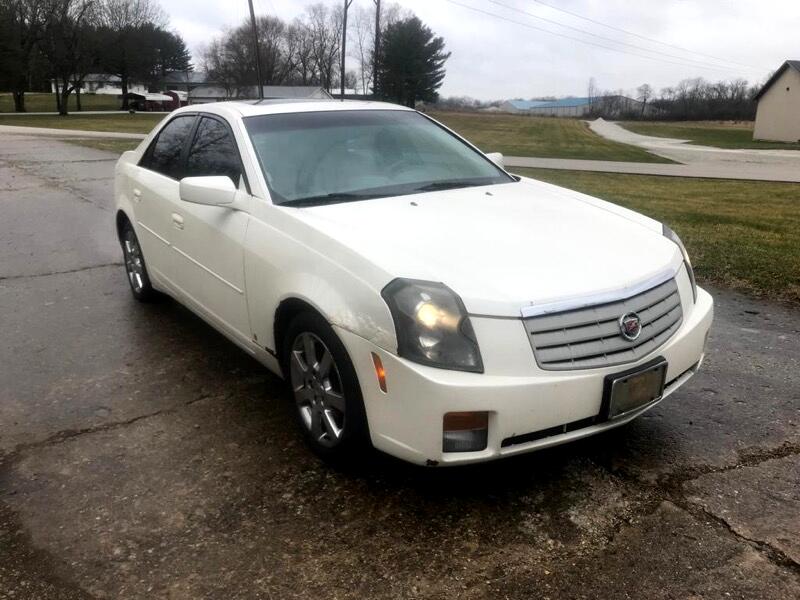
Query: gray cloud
x=493 y=58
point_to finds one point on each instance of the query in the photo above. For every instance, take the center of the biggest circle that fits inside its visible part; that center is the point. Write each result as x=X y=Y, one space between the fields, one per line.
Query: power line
x=613 y=41
x=642 y=37
x=569 y=37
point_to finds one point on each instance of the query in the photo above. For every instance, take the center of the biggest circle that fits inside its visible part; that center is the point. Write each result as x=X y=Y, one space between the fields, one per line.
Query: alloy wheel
x=317 y=389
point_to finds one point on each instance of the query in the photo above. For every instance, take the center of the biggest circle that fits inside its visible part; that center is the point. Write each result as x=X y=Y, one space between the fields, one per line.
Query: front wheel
x=328 y=403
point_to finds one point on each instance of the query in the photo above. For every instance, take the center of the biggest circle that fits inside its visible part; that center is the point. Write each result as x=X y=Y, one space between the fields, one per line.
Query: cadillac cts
x=414 y=294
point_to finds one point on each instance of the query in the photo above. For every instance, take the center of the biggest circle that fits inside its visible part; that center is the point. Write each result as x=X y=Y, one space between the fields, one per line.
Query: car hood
x=503 y=247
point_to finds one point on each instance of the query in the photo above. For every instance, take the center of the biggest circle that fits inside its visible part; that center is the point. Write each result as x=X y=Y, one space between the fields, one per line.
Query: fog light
x=465 y=431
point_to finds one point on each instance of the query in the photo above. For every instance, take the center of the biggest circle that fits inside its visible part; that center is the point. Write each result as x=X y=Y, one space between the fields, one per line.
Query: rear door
x=154 y=191
x=209 y=244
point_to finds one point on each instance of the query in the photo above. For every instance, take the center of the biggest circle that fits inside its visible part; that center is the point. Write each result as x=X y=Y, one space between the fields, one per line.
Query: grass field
x=740 y=234
x=109 y=145
x=721 y=134
x=518 y=135
x=120 y=122
x=47 y=102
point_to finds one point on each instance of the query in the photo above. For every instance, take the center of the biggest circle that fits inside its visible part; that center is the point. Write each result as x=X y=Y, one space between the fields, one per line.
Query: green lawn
x=108 y=145
x=740 y=234
x=47 y=102
x=543 y=137
x=120 y=122
x=721 y=134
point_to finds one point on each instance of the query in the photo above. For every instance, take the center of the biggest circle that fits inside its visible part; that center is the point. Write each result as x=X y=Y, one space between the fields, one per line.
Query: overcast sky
x=496 y=58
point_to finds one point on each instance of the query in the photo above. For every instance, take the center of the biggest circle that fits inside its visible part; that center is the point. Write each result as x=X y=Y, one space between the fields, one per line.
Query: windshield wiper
x=446 y=185
x=333 y=198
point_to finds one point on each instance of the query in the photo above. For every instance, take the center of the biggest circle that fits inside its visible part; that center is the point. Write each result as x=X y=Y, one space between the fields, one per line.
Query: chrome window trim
x=619 y=294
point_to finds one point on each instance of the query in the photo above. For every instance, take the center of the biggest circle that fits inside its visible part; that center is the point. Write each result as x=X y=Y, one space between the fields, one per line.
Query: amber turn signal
x=379 y=371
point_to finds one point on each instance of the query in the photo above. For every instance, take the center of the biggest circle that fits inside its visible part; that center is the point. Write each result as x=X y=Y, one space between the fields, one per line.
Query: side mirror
x=211 y=191
x=496 y=158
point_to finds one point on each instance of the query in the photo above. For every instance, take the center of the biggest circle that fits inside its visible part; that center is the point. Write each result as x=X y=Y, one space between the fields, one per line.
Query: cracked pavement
x=144 y=456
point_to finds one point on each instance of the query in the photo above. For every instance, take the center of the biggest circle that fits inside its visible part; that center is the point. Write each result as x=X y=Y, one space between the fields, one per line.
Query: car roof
x=251 y=108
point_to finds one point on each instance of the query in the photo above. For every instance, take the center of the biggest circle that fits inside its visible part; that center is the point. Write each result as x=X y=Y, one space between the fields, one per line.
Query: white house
x=778 y=114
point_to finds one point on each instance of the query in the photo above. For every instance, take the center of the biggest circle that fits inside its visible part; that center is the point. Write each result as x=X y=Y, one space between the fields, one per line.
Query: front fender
x=278 y=267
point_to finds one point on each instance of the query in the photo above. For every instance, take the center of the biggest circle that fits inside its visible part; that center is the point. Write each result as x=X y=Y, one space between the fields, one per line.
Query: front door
x=209 y=240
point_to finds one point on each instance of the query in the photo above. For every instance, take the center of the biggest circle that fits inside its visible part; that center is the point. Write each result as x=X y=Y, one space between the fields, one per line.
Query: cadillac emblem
x=630 y=325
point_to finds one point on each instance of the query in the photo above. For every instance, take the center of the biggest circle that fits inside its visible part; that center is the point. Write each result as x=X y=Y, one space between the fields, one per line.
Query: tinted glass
x=347 y=155
x=213 y=152
x=165 y=156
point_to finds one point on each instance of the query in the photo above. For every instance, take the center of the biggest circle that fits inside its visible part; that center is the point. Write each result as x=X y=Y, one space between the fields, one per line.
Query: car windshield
x=325 y=157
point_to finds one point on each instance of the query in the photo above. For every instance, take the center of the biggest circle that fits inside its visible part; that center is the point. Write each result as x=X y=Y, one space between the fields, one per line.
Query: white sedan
x=415 y=295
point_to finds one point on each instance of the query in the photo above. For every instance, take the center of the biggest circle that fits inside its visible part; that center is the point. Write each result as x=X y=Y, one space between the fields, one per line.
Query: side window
x=213 y=152
x=164 y=156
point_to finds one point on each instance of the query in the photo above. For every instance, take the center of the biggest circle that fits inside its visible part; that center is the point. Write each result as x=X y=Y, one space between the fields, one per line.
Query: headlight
x=674 y=237
x=432 y=325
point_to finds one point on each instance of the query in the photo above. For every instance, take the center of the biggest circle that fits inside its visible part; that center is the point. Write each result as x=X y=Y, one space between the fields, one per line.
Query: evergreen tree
x=410 y=63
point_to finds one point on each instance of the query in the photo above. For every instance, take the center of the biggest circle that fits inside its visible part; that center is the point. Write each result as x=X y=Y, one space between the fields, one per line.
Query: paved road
x=704 y=171
x=144 y=456
x=694 y=161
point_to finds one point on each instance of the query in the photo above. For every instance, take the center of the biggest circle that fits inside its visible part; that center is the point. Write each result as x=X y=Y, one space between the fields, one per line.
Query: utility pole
x=258 y=53
x=347 y=4
x=377 y=46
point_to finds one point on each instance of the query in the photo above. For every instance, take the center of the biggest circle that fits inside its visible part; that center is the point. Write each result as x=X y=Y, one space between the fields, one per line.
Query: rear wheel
x=135 y=267
x=328 y=403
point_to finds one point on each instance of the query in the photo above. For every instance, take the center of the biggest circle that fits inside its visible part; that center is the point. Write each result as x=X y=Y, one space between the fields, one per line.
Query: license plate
x=626 y=392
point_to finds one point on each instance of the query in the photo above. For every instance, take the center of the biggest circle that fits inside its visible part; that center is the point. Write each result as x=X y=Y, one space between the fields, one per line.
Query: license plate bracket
x=634 y=389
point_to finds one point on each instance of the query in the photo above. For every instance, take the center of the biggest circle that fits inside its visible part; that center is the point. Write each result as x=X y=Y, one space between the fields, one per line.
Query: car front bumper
x=529 y=408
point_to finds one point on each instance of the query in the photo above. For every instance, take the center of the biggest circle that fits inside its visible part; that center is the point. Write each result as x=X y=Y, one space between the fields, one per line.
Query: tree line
x=65 y=40
x=693 y=99
x=698 y=99
x=307 y=51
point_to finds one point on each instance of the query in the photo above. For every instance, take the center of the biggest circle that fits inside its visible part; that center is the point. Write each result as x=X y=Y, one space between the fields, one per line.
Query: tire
x=135 y=267
x=329 y=408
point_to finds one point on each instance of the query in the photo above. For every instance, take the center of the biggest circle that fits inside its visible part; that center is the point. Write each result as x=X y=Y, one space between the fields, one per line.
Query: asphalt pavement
x=144 y=456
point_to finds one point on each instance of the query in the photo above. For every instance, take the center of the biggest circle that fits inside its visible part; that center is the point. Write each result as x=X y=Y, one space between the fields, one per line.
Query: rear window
x=164 y=154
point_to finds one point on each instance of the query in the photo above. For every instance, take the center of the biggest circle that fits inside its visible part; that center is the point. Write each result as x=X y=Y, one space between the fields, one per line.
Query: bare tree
x=325 y=27
x=121 y=21
x=363 y=26
x=66 y=45
x=301 y=53
x=219 y=66
x=22 y=25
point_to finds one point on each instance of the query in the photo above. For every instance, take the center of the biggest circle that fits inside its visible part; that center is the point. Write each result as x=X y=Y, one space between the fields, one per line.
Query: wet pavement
x=144 y=456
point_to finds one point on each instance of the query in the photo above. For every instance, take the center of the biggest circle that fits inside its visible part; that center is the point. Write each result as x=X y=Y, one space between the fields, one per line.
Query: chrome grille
x=590 y=337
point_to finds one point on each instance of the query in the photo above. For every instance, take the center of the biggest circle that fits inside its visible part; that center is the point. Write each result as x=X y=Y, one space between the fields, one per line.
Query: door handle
x=177 y=221
x=137 y=195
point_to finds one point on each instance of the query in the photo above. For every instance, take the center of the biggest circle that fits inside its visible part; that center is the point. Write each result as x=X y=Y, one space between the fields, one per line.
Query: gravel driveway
x=144 y=456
